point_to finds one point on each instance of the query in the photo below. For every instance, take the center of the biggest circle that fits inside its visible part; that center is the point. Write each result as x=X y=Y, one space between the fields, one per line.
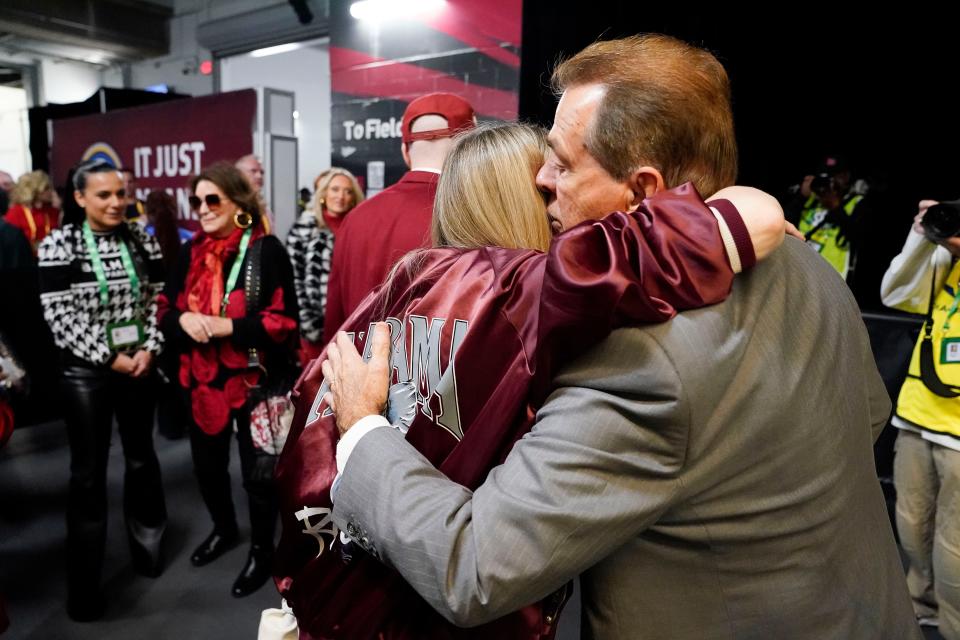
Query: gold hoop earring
x=242 y=219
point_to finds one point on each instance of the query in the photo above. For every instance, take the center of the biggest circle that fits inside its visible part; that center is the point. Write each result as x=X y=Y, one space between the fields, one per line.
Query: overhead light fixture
x=271 y=51
x=96 y=57
x=381 y=10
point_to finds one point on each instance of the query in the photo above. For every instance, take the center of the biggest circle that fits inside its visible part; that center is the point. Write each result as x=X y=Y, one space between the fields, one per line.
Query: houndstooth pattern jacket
x=311 y=254
x=70 y=294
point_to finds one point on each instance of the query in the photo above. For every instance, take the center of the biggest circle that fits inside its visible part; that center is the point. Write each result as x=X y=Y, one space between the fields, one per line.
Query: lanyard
x=953 y=310
x=98 y=266
x=28 y=214
x=235 y=271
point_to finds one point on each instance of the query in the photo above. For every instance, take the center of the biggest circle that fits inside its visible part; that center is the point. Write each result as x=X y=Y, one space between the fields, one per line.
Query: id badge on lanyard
x=121 y=336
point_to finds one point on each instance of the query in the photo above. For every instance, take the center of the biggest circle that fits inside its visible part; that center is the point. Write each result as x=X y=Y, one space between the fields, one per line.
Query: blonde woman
x=478 y=325
x=498 y=206
x=310 y=245
x=34 y=210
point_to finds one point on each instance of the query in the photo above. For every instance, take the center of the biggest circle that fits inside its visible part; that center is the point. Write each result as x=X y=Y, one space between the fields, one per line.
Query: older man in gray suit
x=711 y=477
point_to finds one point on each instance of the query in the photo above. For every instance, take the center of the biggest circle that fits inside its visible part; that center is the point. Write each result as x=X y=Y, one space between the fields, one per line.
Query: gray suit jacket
x=711 y=477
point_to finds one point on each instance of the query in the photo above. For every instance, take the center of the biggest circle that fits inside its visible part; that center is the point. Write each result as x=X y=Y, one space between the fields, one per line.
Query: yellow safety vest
x=917 y=404
x=824 y=239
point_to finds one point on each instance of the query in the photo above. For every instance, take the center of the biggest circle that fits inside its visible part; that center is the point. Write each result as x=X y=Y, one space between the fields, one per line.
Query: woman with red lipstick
x=99 y=282
x=226 y=349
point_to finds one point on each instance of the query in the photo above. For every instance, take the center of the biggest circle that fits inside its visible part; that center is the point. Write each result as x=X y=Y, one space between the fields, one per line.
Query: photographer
x=924 y=279
x=827 y=209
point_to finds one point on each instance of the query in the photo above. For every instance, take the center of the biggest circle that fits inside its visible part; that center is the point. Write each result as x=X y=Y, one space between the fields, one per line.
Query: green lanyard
x=235 y=271
x=98 y=266
x=953 y=310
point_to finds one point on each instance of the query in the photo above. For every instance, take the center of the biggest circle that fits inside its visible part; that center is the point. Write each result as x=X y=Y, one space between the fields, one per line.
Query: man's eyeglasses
x=212 y=200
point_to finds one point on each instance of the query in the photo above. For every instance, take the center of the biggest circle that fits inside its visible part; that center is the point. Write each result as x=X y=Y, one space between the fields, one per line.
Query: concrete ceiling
x=98 y=32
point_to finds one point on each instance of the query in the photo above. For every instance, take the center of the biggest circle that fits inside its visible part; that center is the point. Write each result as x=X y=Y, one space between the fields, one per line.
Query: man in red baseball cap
x=382 y=229
x=455 y=110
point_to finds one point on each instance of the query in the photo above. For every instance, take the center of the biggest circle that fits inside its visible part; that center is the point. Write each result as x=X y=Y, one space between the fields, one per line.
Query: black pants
x=93 y=397
x=173 y=412
x=211 y=457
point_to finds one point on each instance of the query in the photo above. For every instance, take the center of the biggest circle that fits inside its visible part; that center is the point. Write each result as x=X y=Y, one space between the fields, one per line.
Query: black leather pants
x=211 y=457
x=93 y=397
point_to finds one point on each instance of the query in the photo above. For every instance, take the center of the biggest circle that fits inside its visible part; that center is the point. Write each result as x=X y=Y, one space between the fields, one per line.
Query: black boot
x=146 y=548
x=216 y=544
x=146 y=564
x=255 y=572
x=86 y=607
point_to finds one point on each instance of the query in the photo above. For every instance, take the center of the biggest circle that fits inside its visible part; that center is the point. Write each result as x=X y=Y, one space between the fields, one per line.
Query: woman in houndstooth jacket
x=99 y=282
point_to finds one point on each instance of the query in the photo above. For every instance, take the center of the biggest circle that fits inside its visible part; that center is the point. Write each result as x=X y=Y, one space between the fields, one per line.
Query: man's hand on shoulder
x=357 y=389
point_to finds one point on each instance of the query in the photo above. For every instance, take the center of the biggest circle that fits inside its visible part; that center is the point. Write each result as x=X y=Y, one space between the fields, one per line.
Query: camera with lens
x=822 y=183
x=942 y=221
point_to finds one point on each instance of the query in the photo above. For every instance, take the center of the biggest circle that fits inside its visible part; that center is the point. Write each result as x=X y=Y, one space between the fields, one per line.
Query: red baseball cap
x=456 y=110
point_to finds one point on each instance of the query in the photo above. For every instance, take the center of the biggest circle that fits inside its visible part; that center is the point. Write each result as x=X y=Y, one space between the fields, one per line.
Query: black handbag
x=271 y=410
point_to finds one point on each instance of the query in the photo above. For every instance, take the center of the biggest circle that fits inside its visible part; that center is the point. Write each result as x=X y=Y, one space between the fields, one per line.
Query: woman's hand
x=123 y=364
x=219 y=327
x=791 y=230
x=142 y=361
x=202 y=328
x=195 y=326
x=762 y=215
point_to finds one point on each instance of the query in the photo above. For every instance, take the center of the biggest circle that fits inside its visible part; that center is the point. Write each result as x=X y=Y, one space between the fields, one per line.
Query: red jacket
x=37 y=225
x=376 y=234
x=217 y=375
x=478 y=335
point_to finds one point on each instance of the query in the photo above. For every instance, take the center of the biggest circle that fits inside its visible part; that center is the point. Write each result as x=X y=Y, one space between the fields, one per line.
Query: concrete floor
x=184 y=603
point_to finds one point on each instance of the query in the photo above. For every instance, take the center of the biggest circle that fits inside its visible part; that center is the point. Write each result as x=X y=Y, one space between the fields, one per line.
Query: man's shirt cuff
x=362 y=427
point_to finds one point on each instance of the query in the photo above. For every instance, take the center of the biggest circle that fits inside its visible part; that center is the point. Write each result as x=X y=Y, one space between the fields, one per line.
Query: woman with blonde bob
x=310 y=246
x=35 y=209
x=478 y=325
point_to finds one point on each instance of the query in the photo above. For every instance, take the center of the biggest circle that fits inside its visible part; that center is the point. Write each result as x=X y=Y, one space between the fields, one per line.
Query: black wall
x=876 y=87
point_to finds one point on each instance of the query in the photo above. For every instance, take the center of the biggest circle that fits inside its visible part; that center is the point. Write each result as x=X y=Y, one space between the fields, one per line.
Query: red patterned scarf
x=205 y=280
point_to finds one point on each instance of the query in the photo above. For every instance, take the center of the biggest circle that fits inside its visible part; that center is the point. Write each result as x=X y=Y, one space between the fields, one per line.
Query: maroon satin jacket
x=477 y=336
x=373 y=236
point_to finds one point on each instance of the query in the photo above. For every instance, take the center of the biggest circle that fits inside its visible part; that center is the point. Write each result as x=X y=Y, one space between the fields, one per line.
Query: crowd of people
x=524 y=309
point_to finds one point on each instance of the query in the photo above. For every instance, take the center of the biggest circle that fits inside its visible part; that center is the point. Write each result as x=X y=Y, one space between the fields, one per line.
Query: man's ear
x=406 y=154
x=645 y=182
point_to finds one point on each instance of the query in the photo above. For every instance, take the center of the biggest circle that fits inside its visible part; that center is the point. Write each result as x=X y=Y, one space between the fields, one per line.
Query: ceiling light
x=270 y=51
x=381 y=10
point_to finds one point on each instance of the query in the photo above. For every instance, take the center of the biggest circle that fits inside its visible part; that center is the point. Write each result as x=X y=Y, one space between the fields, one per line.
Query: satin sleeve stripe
x=748 y=258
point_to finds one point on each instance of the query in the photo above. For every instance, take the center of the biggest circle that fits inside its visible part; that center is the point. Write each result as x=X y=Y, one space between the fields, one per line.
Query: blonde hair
x=30 y=187
x=487 y=195
x=322 y=182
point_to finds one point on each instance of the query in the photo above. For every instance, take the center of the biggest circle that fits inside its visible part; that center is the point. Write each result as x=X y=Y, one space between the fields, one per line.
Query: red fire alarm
x=206 y=67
